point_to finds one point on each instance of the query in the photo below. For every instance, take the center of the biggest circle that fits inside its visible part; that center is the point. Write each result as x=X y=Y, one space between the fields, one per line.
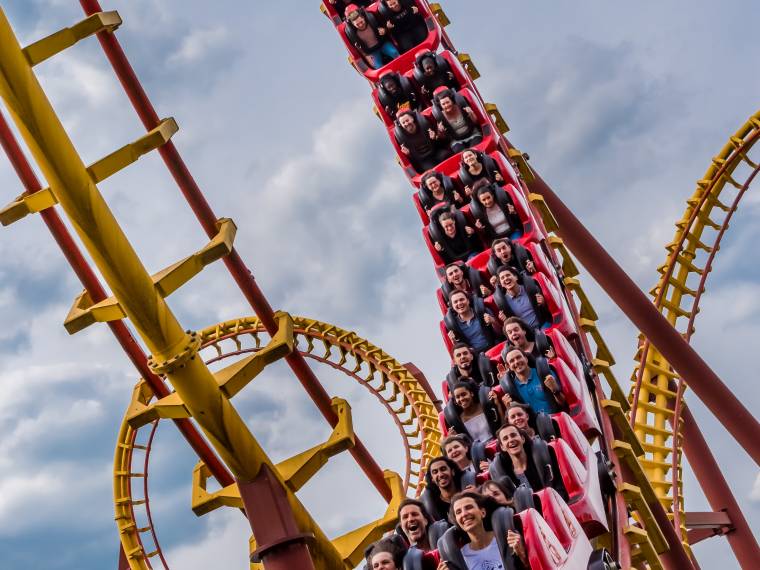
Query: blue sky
x=621 y=107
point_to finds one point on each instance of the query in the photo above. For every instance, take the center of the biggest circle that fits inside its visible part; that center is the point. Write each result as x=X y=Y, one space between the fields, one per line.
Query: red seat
x=542 y=263
x=532 y=231
x=553 y=539
x=439 y=264
x=579 y=403
x=565 y=351
x=581 y=480
x=405 y=61
x=555 y=302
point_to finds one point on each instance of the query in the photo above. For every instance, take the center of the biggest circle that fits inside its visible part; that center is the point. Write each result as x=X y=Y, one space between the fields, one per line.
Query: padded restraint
x=502 y=521
x=449 y=548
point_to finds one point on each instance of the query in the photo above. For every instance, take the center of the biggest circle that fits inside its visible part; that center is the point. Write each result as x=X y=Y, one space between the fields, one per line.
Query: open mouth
x=413 y=529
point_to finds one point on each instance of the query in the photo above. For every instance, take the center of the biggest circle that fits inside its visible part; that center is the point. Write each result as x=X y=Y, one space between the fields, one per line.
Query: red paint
x=639 y=309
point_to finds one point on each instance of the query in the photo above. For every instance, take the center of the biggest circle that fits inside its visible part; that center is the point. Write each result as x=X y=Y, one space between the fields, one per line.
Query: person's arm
x=552 y=383
x=515 y=542
x=493 y=396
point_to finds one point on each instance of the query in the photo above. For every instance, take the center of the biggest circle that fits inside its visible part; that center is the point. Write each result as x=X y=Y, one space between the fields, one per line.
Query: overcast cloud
x=620 y=105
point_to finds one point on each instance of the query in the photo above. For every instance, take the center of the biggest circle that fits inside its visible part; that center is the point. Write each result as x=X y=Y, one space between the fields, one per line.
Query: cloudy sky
x=620 y=105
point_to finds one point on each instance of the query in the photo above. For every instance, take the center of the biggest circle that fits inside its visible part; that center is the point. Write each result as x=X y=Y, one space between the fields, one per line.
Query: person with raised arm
x=470 y=512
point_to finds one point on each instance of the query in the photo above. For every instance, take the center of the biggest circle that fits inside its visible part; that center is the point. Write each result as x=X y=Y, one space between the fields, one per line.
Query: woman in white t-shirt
x=479 y=420
x=469 y=511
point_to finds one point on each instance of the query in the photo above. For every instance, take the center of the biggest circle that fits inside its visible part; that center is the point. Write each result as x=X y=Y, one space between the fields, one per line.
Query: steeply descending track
x=641 y=532
x=657 y=393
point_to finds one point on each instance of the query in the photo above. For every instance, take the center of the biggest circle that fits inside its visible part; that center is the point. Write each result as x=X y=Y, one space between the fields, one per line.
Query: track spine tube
x=623 y=291
x=234 y=263
x=718 y=492
x=92 y=285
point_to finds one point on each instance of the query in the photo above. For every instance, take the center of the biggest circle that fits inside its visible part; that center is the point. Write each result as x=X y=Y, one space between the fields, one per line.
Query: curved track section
x=657 y=392
x=392 y=383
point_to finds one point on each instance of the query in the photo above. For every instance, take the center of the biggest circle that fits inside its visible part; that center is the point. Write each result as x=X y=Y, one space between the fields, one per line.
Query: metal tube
x=234 y=263
x=92 y=285
x=718 y=493
x=173 y=349
x=639 y=309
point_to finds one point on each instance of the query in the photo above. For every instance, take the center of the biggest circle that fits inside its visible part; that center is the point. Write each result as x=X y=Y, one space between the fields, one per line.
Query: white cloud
x=197 y=44
x=755 y=494
x=615 y=111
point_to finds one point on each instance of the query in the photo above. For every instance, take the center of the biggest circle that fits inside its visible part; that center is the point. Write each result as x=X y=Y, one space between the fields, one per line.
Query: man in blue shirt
x=541 y=394
x=517 y=299
x=469 y=323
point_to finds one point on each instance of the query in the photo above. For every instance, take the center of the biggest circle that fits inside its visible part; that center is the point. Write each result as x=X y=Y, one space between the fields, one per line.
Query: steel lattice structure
x=643 y=439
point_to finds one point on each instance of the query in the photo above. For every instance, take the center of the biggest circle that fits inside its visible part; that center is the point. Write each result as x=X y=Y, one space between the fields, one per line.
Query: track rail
x=392 y=383
x=657 y=391
x=636 y=540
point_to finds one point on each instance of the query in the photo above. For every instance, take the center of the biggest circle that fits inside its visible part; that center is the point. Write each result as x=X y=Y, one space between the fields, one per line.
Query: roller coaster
x=607 y=490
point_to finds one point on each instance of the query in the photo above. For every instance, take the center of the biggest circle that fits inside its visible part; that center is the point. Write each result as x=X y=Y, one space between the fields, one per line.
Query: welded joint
x=635 y=500
x=27 y=204
x=521 y=160
x=569 y=269
x=98 y=171
x=439 y=14
x=644 y=551
x=204 y=502
x=468 y=65
x=233 y=378
x=538 y=202
x=188 y=349
x=496 y=117
x=55 y=43
x=297 y=470
x=175 y=276
x=140 y=413
x=84 y=312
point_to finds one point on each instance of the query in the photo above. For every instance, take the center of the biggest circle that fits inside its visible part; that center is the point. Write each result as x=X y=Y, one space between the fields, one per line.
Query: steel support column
x=234 y=263
x=173 y=350
x=718 y=493
x=740 y=423
x=92 y=285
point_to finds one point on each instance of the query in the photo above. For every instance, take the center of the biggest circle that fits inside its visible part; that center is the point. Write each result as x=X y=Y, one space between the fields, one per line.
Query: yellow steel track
x=387 y=379
x=657 y=392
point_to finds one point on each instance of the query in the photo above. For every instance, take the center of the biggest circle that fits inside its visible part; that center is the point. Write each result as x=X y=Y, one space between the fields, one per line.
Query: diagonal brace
x=98 y=171
x=300 y=468
x=55 y=43
x=140 y=413
x=236 y=376
x=84 y=313
x=352 y=545
x=296 y=471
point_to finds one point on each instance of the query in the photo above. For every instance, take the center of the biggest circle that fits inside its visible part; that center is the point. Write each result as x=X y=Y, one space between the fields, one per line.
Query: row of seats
x=504 y=318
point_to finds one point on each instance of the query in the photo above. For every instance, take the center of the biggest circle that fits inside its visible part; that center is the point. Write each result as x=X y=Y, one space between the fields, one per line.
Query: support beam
x=97 y=293
x=173 y=349
x=718 y=493
x=234 y=263
x=718 y=398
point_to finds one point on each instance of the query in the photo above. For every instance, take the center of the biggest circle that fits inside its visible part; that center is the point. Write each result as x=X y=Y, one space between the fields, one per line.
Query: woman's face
x=486 y=198
x=456 y=451
x=383 y=561
x=518 y=417
x=463 y=398
x=433 y=184
x=469 y=158
x=496 y=494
